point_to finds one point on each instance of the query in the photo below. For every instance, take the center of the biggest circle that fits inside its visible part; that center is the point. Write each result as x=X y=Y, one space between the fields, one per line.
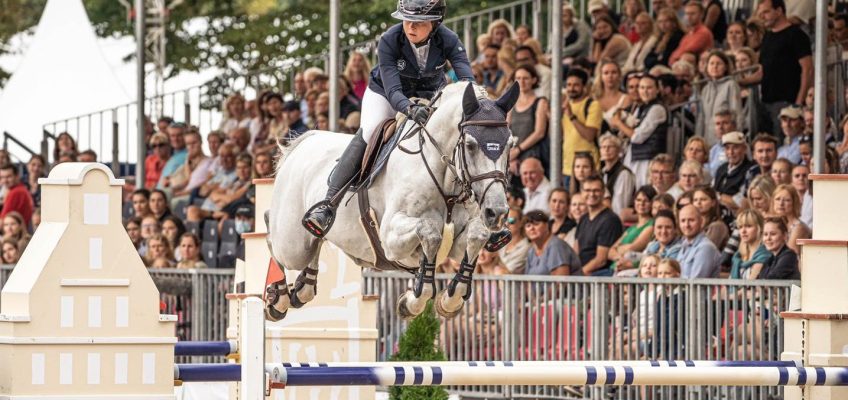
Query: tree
x=417 y=344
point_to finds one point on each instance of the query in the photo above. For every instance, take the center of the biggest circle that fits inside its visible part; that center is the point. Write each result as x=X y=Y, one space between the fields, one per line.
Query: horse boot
x=498 y=240
x=465 y=275
x=320 y=217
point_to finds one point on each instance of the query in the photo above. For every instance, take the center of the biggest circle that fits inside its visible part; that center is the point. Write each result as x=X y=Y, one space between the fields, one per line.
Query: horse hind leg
x=280 y=295
x=449 y=302
x=305 y=287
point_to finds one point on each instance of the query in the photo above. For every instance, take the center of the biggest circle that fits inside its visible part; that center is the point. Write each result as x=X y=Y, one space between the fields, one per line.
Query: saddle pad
x=381 y=159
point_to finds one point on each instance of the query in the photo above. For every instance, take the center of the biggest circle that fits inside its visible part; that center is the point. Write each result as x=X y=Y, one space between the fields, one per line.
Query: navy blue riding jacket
x=397 y=76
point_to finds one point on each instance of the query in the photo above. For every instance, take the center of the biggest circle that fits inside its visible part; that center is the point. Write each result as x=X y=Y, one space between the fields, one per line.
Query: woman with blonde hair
x=500 y=30
x=760 y=193
x=159 y=247
x=506 y=63
x=606 y=90
x=786 y=204
x=358 y=71
x=669 y=33
x=697 y=150
x=749 y=259
x=235 y=114
x=643 y=47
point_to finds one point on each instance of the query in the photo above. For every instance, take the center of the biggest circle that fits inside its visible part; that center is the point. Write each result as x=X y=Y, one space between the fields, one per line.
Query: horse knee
x=430 y=237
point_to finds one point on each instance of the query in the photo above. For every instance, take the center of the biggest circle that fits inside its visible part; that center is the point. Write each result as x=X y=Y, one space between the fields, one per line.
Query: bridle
x=459 y=160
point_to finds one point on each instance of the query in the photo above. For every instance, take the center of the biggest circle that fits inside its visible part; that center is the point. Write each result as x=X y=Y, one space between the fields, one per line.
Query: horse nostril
x=490 y=214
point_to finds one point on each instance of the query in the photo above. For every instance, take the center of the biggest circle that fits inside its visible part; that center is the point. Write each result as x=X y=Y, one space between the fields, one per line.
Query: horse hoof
x=403 y=308
x=439 y=305
x=271 y=314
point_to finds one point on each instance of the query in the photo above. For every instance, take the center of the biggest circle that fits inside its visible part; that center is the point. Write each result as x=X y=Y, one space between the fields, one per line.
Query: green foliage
x=418 y=344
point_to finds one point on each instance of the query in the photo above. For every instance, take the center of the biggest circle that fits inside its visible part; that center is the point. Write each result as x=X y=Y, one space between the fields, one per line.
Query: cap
x=291 y=105
x=791 y=112
x=536 y=216
x=245 y=211
x=595 y=5
x=734 y=137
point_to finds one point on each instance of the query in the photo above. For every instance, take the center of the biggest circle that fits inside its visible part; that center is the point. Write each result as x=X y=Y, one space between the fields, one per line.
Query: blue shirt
x=176 y=161
x=698 y=258
x=791 y=151
x=555 y=254
x=669 y=251
x=717 y=158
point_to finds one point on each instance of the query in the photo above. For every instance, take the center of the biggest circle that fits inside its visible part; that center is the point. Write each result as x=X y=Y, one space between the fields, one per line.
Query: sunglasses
x=155 y=145
x=511 y=220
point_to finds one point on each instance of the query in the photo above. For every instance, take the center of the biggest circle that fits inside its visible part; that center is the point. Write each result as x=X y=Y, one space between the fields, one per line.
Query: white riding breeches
x=375 y=109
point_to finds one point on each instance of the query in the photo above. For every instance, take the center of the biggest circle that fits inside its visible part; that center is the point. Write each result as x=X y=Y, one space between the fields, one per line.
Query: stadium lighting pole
x=556 y=94
x=820 y=68
x=139 y=54
x=334 y=65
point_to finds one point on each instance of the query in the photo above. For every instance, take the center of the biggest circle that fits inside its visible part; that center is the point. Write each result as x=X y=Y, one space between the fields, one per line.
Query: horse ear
x=470 y=104
x=508 y=99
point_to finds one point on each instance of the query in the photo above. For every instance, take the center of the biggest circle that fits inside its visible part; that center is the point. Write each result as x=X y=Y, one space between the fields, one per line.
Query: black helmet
x=420 y=10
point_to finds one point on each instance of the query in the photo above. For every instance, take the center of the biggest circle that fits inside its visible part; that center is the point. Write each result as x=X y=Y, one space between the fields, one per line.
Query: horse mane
x=286 y=149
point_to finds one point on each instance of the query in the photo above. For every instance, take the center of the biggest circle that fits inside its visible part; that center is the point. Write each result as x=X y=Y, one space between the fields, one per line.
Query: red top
x=695 y=41
x=153 y=166
x=18 y=199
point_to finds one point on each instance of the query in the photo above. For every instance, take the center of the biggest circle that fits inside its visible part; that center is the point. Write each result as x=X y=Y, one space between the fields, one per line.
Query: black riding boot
x=319 y=219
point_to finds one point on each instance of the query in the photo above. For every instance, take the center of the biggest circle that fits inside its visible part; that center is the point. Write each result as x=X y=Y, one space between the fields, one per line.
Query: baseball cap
x=791 y=112
x=734 y=137
x=595 y=5
x=536 y=216
x=291 y=105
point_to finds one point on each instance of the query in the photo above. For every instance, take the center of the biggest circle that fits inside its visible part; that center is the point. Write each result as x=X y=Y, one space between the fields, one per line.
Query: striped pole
x=549 y=364
x=199 y=348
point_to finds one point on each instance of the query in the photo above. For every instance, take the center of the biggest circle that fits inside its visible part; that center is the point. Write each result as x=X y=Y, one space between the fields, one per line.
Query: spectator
x=214 y=140
x=536 y=185
x=784 y=261
x=748 y=261
x=492 y=74
x=506 y=63
x=661 y=202
x=500 y=30
x=278 y=124
x=224 y=189
x=760 y=193
x=697 y=150
x=149 y=227
x=725 y=122
x=190 y=252
x=666 y=243
x=756 y=31
x=765 y=153
x=661 y=170
x=357 y=71
x=698 y=38
x=514 y=254
x=141 y=203
x=618 y=179
x=705 y=199
x=522 y=34
x=730 y=177
x=598 y=9
x=720 y=91
x=576 y=210
x=133 y=227
x=235 y=114
x=515 y=197
x=792 y=126
x=163 y=123
x=158 y=247
x=583 y=168
x=528 y=120
x=787 y=60
x=178 y=153
x=156 y=160
x=581 y=122
x=715 y=19
x=263 y=166
x=159 y=205
x=781 y=171
x=14 y=227
x=173 y=229
x=736 y=38
x=18 y=197
x=65 y=143
x=637 y=236
x=240 y=137
x=606 y=91
x=597 y=231
x=607 y=43
x=670 y=33
x=648 y=135
x=689 y=177
x=698 y=256
x=348 y=102
x=576 y=35
x=786 y=204
x=548 y=254
x=525 y=55
x=644 y=47
x=322 y=121
x=629 y=20
x=35 y=171
x=11 y=251
x=558 y=202
x=179 y=183
x=258 y=126
x=840 y=29
x=489 y=263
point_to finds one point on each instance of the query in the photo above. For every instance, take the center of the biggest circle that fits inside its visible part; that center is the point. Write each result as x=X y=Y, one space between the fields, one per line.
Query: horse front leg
x=428 y=234
x=449 y=301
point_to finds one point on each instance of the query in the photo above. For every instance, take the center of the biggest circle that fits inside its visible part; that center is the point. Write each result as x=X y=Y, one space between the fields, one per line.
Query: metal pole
x=537 y=18
x=139 y=42
x=820 y=67
x=555 y=135
x=334 y=65
x=116 y=162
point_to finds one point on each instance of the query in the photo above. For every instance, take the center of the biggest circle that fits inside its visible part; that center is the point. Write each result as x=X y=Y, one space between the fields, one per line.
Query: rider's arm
x=388 y=59
x=455 y=52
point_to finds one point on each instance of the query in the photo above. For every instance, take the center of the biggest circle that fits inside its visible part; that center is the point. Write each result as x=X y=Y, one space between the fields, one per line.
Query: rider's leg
x=319 y=218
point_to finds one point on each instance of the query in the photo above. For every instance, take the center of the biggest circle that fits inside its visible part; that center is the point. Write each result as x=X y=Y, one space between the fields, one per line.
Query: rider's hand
x=418 y=113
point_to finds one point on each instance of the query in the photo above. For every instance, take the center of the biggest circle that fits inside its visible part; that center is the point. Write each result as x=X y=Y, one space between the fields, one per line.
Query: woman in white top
x=235 y=114
x=514 y=254
x=640 y=50
x=606 y=90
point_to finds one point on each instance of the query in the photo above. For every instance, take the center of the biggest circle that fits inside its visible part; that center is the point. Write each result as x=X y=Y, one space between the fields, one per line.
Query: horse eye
x=470 y=145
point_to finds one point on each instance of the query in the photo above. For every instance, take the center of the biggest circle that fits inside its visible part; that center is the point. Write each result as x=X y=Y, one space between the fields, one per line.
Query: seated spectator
x=11 y=251
x=637 y=236
x=149 y=227
x=159 y=205
x=698 y=256
x=792 y=126
x=322 y=121
x=35 y=171
x=783 y=263
x=225 y=188
x=765 y=153
x=627 y=26
x=87 y=156
x=577 y=35
x=158 y=247
x=514 y=254
x=196 y=168
x=697 y=150
x=670 y=32
x=515 y=197
x=492 y=74
x=156 y=160
x=786 y=204
x=14 y=228
x=661 y=170
x=644 y=46
x=748 y=261
x=583 y=168
x=597 y=231
x=730 y=176
x=522 y=34
x=278 y=123
x=662 y=202
x=666 y=243
x=235 y=114
x=528 y=120
x=536 y=185
x=65 y=143
x=607 y=43
x=725 y=122
x=173 y=229
x=576 y=210
x=296 y=125
x=500 y=31
x=558 y=202
x=548 y=255
x=699 y=38
x=648 y=132
x=689 y=178
x=781 y=171
x=240 y=137
x=358 y=73
x=178 y=152
x=18 y=198
x=720 y=91
x=489 y=263
x=805 y=148
x=705 y=199
x=760 y=193
x=263 y=166
x=141 y=203
x=618 y=179
x=133 y=227
x=189 y=254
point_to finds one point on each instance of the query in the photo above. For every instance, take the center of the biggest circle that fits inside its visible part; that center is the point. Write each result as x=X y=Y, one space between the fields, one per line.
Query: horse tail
x=286 y=149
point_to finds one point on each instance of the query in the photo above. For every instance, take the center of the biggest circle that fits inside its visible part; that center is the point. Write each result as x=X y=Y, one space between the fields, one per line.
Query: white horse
x=465 y=148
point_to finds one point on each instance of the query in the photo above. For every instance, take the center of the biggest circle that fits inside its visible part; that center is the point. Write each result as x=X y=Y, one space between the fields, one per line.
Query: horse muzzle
x=493 y=217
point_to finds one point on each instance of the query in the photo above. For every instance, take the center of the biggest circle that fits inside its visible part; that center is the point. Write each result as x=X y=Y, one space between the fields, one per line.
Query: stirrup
x=314 y=229
x=498 y=240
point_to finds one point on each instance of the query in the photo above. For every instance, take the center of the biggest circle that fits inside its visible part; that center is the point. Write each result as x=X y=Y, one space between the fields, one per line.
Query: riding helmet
x=420 y=10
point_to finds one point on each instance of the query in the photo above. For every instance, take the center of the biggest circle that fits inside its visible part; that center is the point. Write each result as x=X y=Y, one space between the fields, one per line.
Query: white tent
x=62 y=74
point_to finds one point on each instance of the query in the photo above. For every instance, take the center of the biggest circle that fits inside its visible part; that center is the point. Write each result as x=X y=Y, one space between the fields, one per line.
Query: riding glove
x=418 y=113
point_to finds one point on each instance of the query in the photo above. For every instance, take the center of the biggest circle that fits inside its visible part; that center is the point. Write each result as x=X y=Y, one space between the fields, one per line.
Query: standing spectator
x=730 y=177
x=597 y=231
x=514 y=254
x=18 y=197
x=583 y=168
x=720 y=92
x=698 y=256
x=525 y=55
x=724 y=122
x=784 y=261
x=698 y=38
x=156 y=160
x=644 y=46
x=190 y=252
x=528 y=120
x=840 y=29
x=715 y=19
x=690 y=177
x=178 y=153
x=522 y=34
x=618 y=179
x=606 y=91
x=536 y=185
x=548 y=254
x=637 y=236
x=506 y=63
x=581 y=122
x=65 y=143
x=736 y=38
x=235 y=114
x=787 y=60
x=598 y=9
x=492 y=74
x=628 y=26
x=748 y=261
x=756 y=31
x=500 y=30
x=669 y=37
x=35 y=171
x=792 y=126
x=786 y=204
x=607 y=43
x=648 y=136
x=577 y=36
x=357 y=71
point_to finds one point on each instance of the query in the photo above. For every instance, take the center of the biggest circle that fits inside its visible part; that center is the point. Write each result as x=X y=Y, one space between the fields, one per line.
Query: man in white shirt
x=536 y=185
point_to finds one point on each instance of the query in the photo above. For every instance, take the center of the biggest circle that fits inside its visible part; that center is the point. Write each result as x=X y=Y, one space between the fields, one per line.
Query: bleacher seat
x=127 y=211
x=180 y=209
x=193 y=227
x=210 y=231
x=228 y=232
x=210 y=253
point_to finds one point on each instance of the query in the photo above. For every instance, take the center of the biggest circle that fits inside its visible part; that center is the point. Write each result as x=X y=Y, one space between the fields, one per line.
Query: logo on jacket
x=401 y=64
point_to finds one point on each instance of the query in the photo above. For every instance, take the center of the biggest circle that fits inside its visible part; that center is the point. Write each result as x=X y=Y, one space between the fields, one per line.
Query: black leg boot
x=498 y=240
x=319 y=219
